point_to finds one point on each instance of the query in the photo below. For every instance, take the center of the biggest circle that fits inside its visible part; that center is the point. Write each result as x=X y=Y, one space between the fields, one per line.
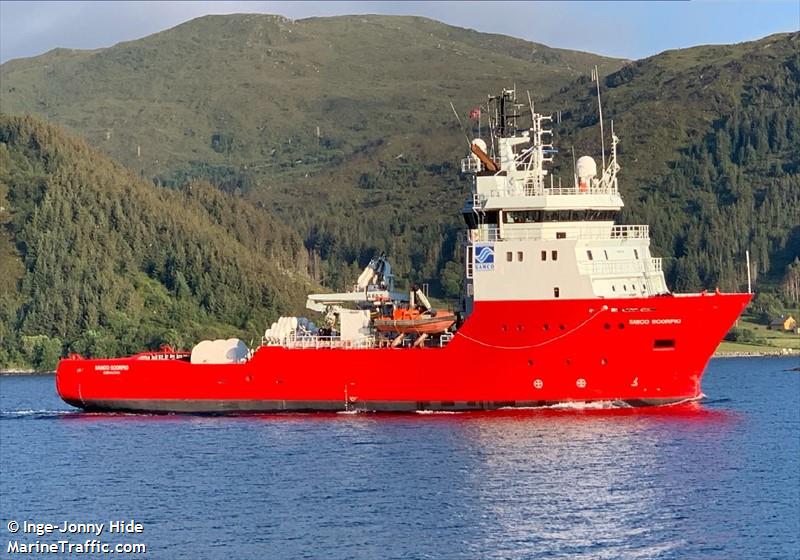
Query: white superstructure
x=532 y=239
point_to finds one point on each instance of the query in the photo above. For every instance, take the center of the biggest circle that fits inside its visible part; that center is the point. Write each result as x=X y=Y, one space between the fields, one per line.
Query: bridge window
x=522 y=216
x=473 y=220
x=561 y=235
x=535 y=216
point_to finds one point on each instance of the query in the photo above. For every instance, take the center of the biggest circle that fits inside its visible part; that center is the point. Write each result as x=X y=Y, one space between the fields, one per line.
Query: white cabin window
x=544 y=255
x=554 y=255
x=519 y=256
x=636 y=253
x=509 y=256
x=606 y=254
x=556 y=292
x=613 y=288
x=589 y=255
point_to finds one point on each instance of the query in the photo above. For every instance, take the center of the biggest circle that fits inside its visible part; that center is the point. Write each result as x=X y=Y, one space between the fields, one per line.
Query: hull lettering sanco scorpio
x=560 y=304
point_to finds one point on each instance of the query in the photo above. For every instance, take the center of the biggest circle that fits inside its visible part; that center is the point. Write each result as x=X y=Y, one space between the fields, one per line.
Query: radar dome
x=586 y=167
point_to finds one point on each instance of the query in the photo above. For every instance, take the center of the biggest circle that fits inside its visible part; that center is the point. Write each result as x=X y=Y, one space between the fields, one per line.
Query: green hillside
x=96 y=260
x=225 y=92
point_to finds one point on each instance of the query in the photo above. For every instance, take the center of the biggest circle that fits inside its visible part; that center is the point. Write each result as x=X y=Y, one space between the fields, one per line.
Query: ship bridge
x=531 y=237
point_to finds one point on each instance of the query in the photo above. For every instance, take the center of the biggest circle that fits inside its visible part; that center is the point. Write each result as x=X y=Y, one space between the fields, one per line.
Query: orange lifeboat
x=416 y=322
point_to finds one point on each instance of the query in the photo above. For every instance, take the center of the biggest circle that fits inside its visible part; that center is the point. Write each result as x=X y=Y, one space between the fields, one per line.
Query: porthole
x=545 y=327
x=607 y=326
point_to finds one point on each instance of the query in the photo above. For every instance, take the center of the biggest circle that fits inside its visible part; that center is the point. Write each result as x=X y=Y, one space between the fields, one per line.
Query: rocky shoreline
x=780 y=352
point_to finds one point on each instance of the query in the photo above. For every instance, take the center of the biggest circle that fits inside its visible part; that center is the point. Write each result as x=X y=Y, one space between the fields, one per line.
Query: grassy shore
x=767 y=343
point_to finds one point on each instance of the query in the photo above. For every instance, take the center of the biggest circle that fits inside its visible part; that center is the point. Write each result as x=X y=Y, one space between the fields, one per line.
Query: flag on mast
x=475 y=113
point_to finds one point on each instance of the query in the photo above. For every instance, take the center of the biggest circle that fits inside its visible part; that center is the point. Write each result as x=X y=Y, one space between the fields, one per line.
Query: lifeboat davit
x=416 y=322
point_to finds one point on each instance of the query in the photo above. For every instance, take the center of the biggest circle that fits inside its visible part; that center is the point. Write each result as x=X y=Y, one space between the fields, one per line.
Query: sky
x=621 y=29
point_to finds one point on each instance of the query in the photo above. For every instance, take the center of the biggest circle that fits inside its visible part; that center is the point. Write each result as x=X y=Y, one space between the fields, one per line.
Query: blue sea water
x=719 y=479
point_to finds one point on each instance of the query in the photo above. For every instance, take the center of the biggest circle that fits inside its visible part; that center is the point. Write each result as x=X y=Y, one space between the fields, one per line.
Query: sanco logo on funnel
x=484 y=257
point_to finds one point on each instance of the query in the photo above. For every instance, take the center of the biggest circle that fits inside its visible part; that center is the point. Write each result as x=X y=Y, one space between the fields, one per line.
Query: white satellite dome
x=586 y=167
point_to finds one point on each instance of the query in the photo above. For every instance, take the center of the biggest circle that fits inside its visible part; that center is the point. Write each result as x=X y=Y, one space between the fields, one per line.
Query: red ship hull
x=643 y=351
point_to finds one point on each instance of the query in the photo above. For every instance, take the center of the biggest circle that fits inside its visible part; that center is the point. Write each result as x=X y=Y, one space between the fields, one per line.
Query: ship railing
x=543 y=190
x=655 y=265
x=470 y=165
x=478 y=200
x=321 y=342
x=517 y=232
x=635 y=266
x=612 y=267
x=533 y=189
x=174 y=355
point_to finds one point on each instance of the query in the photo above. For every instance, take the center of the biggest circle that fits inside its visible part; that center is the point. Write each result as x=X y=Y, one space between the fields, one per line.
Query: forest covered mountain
x=96 y=260
x=342 y=128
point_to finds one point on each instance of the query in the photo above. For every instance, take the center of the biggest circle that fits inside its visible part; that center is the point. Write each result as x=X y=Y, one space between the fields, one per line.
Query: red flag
x=475 y=113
